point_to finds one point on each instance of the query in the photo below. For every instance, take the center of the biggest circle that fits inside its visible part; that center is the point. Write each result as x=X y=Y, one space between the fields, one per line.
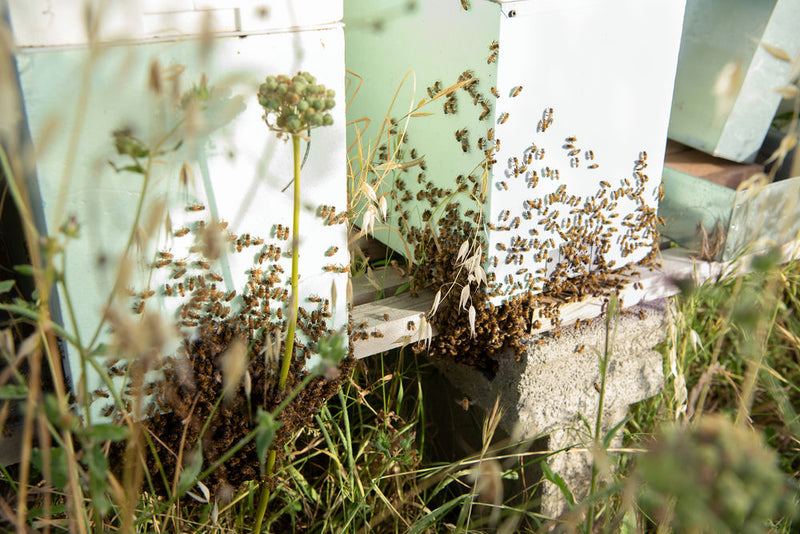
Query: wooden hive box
x=712 y=209
x=228 y=167
x=725 y=95
x=554 y=136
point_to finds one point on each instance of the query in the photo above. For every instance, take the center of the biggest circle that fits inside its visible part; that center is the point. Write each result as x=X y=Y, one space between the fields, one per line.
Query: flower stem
x=289 y=340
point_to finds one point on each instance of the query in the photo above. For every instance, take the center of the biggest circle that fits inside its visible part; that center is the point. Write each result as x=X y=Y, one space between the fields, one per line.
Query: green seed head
x=296 y=102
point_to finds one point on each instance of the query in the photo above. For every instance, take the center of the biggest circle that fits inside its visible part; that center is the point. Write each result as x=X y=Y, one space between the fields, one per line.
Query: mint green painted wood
x=747 y=221
x=690 y=202
x=764 y=217
x=717 y=33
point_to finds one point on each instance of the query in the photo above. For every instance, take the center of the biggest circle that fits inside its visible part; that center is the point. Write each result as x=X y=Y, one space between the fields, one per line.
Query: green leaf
x=97 y=463
x=5 y=286
x=436 y=514
x=107 y=432
x=331 y=349
x=13 y=392
x=554 y=478
x=766 y=261
x=53 y=412
x=58 y=465
x=265 y=434
x=26 y=270
x=611 y=433
x=403 y=288
x=132 y=168
x=190 y=471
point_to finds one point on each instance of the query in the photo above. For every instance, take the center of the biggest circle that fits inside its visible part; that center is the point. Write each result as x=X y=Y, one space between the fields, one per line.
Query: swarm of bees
x=211 y=317
x=552 y=251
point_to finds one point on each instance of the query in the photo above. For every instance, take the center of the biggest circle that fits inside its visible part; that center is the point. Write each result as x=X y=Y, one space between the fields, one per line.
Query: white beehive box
x=561 y=181
x=240 y=168
x=725 y=95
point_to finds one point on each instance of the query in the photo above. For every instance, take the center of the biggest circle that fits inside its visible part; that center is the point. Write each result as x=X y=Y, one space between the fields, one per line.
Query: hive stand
x=554 y=388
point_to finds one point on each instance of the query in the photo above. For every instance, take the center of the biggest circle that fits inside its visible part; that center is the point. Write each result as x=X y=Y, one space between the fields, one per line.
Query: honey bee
x=516 y=91
x=164 y=254
x=502 y=185
x=182 y=232
x=101 y=393
x=161 y=263
x=376 y=334
x=579 y=349
x=575 y=152
x=503 y=118
x=331 y=251
x=230 y=295
x=490 y=134
x=214 y=276
x=465 y=403
x=494 y=46
x=179 y=273
x=195 y=207
x=589 y=154
x=108 y=410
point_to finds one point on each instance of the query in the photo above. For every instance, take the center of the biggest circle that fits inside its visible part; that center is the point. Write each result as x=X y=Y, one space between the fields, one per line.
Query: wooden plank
x=653 y=284
x=717 y=170
x=392 y=317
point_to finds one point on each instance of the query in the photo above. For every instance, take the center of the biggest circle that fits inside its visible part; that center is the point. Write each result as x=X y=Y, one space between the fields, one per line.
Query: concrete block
x=553 y=386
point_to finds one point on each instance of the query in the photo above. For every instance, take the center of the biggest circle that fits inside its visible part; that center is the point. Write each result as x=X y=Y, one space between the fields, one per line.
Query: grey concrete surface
x=552 y=388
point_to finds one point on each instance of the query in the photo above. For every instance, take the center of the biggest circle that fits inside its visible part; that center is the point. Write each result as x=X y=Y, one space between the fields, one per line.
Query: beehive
x=553 y=142
x=725 y=95
x=228 y=172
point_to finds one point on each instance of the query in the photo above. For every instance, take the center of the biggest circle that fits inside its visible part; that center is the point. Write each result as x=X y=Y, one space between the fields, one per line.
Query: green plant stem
x=611 y=311
x=289 y=341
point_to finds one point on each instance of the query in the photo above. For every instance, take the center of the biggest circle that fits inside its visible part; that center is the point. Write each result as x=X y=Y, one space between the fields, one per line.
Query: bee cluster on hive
x=211 y=318
x=551 y=243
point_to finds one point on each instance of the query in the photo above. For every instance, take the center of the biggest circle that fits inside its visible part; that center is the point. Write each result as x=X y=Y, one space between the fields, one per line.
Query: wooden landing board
x=652 y=284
